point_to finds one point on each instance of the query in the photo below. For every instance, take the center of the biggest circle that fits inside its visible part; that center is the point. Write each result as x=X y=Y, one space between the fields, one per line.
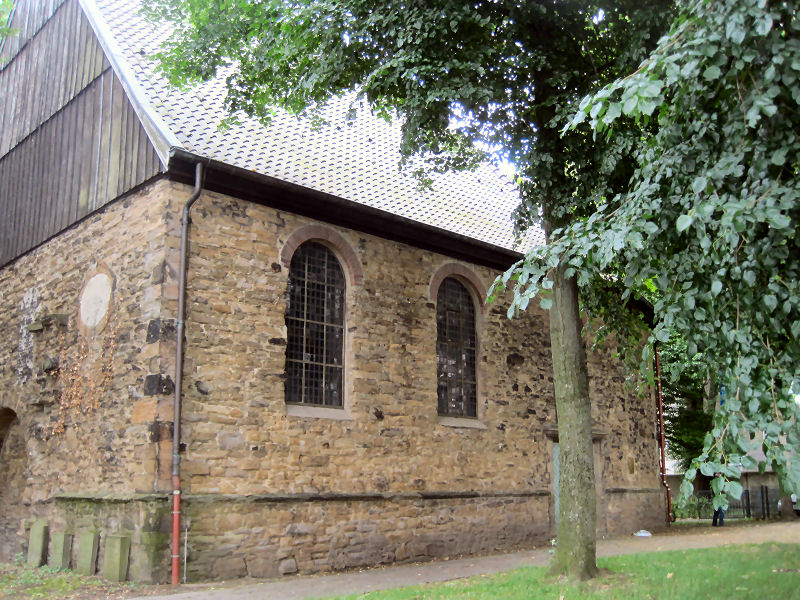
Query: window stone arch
x=330 y=238
x=466 y=276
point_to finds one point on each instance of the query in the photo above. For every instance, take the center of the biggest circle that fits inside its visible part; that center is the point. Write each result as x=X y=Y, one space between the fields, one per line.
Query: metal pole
x=661 y=434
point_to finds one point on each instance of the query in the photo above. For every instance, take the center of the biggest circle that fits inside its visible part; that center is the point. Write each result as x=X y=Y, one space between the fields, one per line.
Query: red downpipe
x=176 y=421
x=661 y=435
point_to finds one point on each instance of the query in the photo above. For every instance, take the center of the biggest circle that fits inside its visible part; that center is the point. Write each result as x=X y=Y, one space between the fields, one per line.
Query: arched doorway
x=13 y=457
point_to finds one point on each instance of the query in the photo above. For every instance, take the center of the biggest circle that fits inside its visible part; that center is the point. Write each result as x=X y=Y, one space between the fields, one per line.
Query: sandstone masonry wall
x=269 y=491
x=88 y=417
x=242 y=441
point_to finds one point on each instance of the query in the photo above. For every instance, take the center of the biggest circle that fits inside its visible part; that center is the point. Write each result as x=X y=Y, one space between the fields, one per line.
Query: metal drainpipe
x=661 y=435
x=176 y=422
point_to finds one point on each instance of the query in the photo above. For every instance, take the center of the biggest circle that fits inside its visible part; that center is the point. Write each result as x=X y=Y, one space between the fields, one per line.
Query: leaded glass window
x=455 y=350
x=315 y=326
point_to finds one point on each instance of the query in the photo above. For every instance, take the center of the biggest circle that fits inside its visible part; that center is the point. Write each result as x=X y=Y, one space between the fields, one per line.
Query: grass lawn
x=748 y=572
x=24 y=583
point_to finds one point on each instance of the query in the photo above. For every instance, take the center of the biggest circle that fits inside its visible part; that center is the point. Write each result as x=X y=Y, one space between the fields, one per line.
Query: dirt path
x=679 y=537
x=683 y=537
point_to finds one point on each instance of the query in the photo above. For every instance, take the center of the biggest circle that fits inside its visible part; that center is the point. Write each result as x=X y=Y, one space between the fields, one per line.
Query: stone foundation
x=144 y=518
x=267 y=536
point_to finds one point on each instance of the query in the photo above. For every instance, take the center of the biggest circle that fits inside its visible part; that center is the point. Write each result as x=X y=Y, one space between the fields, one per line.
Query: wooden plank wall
x=70 y=142
x=28 y=17
x=40 y=79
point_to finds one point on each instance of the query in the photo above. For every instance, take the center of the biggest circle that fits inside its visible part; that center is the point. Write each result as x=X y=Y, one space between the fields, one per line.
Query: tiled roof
x=354 y=160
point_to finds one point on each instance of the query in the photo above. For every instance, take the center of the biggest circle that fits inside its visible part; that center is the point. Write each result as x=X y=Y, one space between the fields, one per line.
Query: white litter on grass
x=643 y=533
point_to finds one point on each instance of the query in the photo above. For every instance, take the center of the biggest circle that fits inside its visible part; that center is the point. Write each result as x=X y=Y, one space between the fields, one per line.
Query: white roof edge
x=160 y=135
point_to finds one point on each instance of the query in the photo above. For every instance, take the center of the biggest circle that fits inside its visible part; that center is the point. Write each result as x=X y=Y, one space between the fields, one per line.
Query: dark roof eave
x=283 y=195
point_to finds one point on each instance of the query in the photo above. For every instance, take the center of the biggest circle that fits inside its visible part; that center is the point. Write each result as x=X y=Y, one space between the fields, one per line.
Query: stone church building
x=346 y=396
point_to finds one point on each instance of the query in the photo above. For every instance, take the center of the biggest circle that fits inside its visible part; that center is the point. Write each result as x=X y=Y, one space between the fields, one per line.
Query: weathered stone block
x=149 y=562
x=60 y=551
x=117 y=553
x=142 y=483
x=144 y=411
x=229 y=567
x=158 y=384
x=88 y=545
x=262 y=566
x=230 y=440
x=37 y=543
x=287 y=566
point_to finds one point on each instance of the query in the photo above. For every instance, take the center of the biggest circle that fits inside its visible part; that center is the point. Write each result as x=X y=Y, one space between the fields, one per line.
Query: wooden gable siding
x=27 y=19
x=59 y=61
x=57 y=168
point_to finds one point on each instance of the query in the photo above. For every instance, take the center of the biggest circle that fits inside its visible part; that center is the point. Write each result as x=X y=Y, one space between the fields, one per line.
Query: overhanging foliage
x=711 y=219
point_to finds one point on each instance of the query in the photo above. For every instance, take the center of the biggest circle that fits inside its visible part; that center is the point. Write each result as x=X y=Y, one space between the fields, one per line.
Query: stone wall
x=87 y=422
x=269 y=488
x=267 y=536
x=243 y=441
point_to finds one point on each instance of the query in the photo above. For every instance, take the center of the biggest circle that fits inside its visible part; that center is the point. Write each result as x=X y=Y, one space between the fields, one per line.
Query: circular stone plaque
x=95 y=300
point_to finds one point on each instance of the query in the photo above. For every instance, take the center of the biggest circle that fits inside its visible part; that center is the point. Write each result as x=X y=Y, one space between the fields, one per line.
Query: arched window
x=455 y=350
x=315 y=327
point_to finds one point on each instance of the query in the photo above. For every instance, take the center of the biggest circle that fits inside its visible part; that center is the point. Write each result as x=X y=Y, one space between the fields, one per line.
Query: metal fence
x=755 y=503
x=764 y=502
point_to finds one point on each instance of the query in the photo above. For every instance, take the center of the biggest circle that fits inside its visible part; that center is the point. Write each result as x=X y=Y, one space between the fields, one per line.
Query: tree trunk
x=575 y=552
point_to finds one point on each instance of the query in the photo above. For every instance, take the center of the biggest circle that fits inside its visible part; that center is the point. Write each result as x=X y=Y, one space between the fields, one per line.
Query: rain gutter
x=176 y=421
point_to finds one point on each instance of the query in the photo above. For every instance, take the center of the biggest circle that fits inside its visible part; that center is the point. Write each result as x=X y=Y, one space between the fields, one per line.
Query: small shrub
x=694 y=508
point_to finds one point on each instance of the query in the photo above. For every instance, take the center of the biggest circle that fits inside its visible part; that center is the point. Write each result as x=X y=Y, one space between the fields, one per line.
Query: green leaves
x=778 y=157
x=722 y=167
x=734 y=489
x=699 y=184
x=630 y=104
x=708 y=468
x=686 y=488
x=5 y=9
x=683 y=223
x=711 y=73
x=614 y=111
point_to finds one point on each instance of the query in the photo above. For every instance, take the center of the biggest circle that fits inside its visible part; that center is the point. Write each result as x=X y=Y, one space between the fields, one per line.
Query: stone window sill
x=318 y=412
x=462 y=422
